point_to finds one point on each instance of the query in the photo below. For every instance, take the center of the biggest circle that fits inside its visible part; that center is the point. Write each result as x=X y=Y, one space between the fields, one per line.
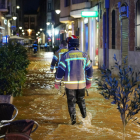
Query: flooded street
x=46 y=105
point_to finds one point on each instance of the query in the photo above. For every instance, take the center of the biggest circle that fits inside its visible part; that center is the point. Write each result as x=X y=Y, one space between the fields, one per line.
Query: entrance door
x=104 y=39
x=124 y=41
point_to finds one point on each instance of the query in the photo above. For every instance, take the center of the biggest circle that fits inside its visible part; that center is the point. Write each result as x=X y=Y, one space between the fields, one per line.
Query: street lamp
x=48 y=23
x=20 y=27
x=29 y=30
x=14 y=17
x=18 y=6
x=57 y=11
x=41 y=29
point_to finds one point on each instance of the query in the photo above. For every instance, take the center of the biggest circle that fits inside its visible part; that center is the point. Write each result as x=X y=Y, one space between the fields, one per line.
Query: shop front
x=88 y=31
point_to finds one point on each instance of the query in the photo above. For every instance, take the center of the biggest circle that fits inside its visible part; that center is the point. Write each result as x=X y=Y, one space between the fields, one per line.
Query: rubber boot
x=73 y=119
x=82 y=107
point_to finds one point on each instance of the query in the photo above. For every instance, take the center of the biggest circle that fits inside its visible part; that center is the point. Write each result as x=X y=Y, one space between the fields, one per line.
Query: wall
x=65 y=11
x=133 y=57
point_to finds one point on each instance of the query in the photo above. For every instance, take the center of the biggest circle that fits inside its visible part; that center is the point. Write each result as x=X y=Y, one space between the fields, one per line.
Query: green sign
x=89 y=14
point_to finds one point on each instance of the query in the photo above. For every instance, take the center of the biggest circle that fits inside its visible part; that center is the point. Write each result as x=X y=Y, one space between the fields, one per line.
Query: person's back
x=57 y=56
x=77 y=70
x=35 y=46
x=75 y=62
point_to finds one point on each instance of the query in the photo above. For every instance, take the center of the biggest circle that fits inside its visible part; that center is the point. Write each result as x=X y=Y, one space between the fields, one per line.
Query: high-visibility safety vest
x=57 y=57
x=76 y=68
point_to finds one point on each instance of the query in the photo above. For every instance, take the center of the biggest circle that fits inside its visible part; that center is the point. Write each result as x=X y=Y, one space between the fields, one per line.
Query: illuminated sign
x=123 y=10
x=89 y=14
x=5 y=21
x=4 y=39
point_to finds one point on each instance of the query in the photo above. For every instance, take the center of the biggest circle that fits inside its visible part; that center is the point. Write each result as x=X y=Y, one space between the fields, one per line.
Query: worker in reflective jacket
x=77 y=70
x=57 y=56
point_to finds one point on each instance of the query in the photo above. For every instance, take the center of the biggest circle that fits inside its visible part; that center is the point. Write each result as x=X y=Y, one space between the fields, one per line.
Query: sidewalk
x=42 y=103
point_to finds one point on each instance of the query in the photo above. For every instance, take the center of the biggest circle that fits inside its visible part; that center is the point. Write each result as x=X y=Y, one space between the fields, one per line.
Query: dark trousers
x=76 y=96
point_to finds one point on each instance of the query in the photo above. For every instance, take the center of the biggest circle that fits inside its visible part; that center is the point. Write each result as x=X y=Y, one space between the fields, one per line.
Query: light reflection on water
x=42 y=103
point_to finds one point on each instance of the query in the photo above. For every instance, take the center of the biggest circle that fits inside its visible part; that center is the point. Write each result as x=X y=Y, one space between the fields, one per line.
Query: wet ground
x=46 y=105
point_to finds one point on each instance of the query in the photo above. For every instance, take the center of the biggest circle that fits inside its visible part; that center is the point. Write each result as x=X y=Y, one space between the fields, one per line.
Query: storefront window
x=138 y=24
x=113 y=29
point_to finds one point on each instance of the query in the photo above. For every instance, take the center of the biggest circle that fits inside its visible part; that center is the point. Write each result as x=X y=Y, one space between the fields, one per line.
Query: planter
x=6 y=99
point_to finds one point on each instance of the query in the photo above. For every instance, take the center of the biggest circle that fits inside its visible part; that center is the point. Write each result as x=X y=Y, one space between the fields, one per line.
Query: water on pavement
x=46 y=105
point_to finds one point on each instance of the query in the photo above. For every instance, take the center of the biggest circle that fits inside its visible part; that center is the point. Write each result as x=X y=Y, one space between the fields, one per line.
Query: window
x=49 y=6
x=33 y=33
x=26 y=33
x=113 y=29
x=67 y=3
x=26 y=26
x=32 y=26
x=26 y=19
x=2 y=4
x=78 y=1
x=32 y=19
x=138 y=24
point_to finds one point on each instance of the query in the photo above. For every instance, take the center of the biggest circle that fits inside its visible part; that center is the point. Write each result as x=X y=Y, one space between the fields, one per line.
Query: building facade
x=9 y=19
x=119 y=32
x=30 y=26
x=116 y=30
x=41 y=21
x=86 y=28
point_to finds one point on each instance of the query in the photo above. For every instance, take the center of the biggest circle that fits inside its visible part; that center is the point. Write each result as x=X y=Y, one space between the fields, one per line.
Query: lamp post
x=18 y=7
x=14 y=17
x=20 y=27
x=50 y=32
x=48 y=23
x=57 y=11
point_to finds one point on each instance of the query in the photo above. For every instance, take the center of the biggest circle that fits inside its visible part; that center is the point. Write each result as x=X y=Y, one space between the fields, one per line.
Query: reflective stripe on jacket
x=76 y=68
x=57 y=57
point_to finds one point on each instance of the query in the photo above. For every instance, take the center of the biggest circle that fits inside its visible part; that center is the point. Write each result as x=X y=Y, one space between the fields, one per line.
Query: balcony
x=3 y=6
x=78 y=1
x=78 y=7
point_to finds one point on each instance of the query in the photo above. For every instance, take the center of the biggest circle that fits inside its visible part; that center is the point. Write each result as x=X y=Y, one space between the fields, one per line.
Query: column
x=92 y=39
x=81 y=38
x=72 y=24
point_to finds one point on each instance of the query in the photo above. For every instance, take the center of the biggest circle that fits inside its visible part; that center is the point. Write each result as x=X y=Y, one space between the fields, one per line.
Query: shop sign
x=62 y=31
x=123 y=10
x=89 y=14
x=5 y=21
x=4 y=39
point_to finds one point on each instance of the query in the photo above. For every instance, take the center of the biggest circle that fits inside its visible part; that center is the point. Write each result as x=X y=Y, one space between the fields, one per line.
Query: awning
x=16 y=37
x=77 y=13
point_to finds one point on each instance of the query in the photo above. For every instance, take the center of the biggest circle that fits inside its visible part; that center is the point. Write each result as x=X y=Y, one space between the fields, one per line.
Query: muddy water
x=46 y=105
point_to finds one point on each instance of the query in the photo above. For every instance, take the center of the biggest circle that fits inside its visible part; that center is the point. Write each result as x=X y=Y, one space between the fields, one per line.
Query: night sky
x=30 y=6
